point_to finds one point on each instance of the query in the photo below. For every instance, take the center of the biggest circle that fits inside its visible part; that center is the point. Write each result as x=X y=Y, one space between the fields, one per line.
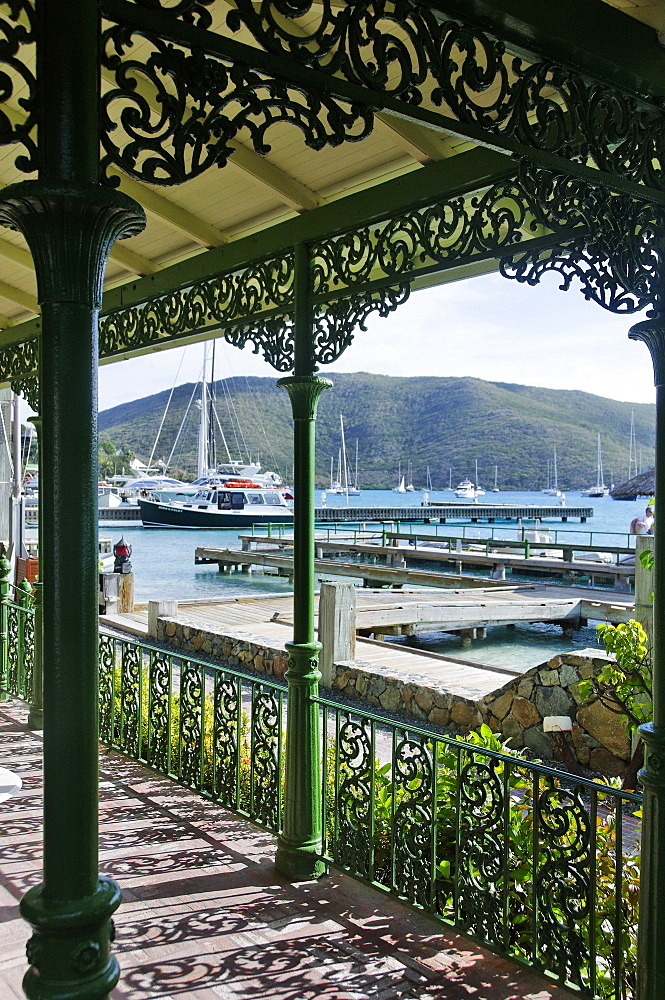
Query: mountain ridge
x=441 y=422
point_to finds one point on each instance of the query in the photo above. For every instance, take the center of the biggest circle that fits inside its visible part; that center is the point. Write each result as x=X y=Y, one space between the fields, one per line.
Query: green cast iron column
x=651 y=953
x=300 y=843
x=70 y=223
x=36 y=713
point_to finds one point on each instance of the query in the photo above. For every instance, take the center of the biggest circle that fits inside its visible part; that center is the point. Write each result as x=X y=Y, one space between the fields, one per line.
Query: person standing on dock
x=643 y=525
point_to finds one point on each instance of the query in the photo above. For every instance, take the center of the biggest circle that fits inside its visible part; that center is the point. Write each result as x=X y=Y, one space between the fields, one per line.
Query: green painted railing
x=535 y=864
x=214 y=730
x=17 y=641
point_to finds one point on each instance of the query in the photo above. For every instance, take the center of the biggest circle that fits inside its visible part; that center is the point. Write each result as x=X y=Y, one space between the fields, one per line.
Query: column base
x=36 y=718
x=70 y=949
x=299 y=864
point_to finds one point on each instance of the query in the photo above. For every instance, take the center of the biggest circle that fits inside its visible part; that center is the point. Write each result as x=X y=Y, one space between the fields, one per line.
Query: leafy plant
x=624 y=685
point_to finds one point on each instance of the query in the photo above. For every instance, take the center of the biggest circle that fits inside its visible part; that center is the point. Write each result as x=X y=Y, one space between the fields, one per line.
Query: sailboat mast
x=202 y=456
x=346 y=472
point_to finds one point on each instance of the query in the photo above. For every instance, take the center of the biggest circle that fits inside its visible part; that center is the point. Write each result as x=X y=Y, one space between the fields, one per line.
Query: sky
x=487 y=327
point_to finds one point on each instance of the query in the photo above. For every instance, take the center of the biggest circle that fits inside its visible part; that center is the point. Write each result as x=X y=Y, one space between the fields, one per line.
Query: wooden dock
x=366 y=556
x=268 y=620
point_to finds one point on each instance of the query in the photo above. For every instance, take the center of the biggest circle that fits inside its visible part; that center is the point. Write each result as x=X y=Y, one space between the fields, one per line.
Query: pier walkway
x=268 y=621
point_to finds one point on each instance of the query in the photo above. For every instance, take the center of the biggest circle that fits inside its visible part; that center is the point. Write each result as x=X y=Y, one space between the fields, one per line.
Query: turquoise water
x=164 y=567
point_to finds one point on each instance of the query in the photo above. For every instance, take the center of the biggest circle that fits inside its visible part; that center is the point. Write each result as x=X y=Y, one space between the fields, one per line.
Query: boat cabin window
x=272 y=498
x=255 y=498
x=238 y=501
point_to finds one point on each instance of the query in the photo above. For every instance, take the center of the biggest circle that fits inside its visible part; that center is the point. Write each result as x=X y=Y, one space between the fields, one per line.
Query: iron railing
x=540 y=866
x=17 y=642
x=215 y=730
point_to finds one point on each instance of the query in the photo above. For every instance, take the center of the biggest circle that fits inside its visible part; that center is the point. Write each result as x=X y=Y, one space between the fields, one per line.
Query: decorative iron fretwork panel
x=20 y=361
x=191 y=723
x=17 y=82
x=352 y=844
x=414 y=818
x=174 y=110
x=131 y=698
x=227 y=737
x=481 y=871
x=159 y=711
x=564 y=882
x=29 y=389
x=107 y=687
x=412 y=53
x=265 y=756
x=230 y=299
x=616 y=262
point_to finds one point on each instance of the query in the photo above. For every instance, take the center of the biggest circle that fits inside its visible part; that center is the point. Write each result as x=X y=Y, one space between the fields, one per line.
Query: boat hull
x=164 y=515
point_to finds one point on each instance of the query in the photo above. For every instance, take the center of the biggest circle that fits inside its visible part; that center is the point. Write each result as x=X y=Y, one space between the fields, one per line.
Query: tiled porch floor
x=206 y=917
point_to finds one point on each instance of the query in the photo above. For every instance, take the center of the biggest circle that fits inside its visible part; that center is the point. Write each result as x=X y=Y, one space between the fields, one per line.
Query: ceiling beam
x=19 y=296
x=586 y=35
x=287 y=188
x=134 y=262
x=17 y=254
x=422 y=144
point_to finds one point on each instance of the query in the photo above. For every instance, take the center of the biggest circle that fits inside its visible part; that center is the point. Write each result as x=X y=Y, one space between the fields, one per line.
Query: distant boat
x=552 y=489
x=466 y=489
x=600 y=489
x=400 y=488
x=410 y=488
x=495 y=488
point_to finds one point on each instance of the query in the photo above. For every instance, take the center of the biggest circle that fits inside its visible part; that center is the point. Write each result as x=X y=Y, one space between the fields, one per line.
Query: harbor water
x=163 y=563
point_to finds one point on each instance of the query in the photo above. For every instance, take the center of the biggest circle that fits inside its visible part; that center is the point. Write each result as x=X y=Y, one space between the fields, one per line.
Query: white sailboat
x=552 y=489
x=400 y=488
x=495 y=488
x=347 y=489
x=409 y=488
x=600 y=489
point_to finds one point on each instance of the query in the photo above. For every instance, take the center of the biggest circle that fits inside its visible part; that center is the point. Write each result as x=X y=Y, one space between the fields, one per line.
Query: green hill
x=443 y=423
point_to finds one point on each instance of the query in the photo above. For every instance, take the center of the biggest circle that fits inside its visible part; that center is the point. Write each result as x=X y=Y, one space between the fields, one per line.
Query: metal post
x=5 y=570
x=300 y=843
x=70 y=223
x=650 y=951
x=36 y=712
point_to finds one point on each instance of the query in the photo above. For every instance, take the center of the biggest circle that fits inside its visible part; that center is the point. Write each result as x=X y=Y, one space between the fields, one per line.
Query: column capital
x=304 y=392
x=70 y=233
x=652 y=333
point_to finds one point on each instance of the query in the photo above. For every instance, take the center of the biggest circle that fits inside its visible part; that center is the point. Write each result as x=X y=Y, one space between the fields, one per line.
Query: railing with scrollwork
x=17 y=641
x=213 y=729
x=540 y=866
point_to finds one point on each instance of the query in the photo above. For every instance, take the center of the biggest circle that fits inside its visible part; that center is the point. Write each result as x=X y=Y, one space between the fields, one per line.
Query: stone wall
x=516 y=709
x=235 y=649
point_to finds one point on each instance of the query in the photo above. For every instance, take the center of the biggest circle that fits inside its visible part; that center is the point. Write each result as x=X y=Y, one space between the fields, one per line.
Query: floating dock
x=380 y=559
x=443 y=512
